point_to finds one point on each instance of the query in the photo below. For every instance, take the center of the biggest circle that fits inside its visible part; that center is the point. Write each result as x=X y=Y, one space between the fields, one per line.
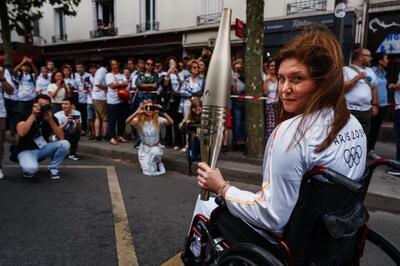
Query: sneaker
x=137 y=144
x=1 y=174
x=393 y=171
x=98 y=138
x=114 y=141
x=122 y=139
x=54 y=174
x=28 y=175
x=372 y=155
x=73 y=157
x=176 y=148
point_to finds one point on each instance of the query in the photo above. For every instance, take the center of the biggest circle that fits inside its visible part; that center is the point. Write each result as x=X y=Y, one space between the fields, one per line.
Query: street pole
x=338 y=21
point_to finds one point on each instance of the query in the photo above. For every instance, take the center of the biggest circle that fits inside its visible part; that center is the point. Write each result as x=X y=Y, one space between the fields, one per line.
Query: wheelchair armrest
x=383 y=161
x=335 y=178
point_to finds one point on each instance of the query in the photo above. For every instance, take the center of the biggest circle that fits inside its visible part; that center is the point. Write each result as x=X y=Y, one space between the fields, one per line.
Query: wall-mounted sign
x=340 y=10
x=384 y=33
x=391 y=44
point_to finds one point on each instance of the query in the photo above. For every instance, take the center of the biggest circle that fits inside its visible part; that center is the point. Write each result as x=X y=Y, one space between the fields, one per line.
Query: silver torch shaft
x=216 y=96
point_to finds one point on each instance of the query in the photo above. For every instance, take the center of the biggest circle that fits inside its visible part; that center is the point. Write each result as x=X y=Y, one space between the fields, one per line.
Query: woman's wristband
x=223 y=186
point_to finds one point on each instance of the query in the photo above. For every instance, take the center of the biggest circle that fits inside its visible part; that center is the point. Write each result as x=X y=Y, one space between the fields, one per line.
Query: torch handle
x=212 y=135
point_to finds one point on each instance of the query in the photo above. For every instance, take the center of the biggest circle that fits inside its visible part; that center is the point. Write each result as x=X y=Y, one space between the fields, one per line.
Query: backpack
x=19 y=78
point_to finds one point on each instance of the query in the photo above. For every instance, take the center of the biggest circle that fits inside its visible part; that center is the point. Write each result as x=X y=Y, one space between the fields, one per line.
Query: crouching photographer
x=34 y=139
x=70 y=121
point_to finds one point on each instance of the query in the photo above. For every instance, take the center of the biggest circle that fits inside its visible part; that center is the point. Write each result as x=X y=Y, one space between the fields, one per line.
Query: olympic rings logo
x=353 y=156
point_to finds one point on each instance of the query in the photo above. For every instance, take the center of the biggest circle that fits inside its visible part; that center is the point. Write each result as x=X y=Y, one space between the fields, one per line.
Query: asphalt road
x=70 y=221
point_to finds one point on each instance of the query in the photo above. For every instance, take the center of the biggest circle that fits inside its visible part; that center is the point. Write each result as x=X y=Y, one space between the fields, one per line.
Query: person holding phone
x=70 y=121
x=57 y=90
x=148 y=120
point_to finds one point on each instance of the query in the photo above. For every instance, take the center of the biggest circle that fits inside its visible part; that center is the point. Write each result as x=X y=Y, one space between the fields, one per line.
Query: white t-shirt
x=62 y=119
x=60 y=94
x=3 y=112
x=14 y=96
x=133 y=79
x=26 y=87
x=272 y=95
x=79 y=78
x=283 y=169
x=90 y=91
x=112 y=94
x=360 y=96
x=99 y=78
x=42 y=84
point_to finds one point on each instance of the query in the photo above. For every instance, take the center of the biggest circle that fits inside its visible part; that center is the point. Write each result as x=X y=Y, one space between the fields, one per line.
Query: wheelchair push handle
x=336 y=178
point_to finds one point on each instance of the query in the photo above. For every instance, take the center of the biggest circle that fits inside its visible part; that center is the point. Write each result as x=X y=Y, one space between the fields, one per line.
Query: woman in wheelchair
x=315 y=129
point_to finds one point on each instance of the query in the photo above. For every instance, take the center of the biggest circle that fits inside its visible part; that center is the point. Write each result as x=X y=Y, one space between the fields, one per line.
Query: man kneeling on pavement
x=70 y=121
x=34 y=143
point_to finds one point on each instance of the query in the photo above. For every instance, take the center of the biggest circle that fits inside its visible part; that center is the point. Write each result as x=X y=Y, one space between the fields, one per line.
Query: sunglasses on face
x=150 y=108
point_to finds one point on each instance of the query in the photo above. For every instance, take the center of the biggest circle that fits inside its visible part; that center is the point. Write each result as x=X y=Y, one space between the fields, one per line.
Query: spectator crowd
x=157 y=104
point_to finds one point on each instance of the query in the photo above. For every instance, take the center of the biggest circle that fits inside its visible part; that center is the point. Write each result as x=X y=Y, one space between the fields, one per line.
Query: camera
x=87 y=82
x=153 y=108
x=45 y=108
x=75 y=117
x=190 y=127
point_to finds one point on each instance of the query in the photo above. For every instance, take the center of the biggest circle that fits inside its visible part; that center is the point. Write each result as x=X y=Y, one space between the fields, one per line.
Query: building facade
x=104 y=28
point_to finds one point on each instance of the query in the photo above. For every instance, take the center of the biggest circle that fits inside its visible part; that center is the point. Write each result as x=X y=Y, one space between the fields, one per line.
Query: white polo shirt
x=360 y=96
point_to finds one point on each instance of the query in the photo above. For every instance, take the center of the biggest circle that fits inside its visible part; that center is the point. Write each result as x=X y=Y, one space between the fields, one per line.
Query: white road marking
x=124 y=240
x=123 y=236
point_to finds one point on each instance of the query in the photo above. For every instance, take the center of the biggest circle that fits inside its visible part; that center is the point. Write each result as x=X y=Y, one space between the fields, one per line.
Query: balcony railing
x=306 y=6
x=209 y=19
x=98 y=33
x=59 y=38
x=149 y=25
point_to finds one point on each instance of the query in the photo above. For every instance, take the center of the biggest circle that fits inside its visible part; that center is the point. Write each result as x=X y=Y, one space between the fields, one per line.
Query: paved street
x=77 y=220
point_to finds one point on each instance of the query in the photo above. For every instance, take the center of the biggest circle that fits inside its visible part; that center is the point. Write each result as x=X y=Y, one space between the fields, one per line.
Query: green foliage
x=22 y=13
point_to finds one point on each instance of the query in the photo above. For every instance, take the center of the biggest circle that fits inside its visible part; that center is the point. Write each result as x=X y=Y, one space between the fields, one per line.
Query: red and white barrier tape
x=240 y=97
x=256 y=98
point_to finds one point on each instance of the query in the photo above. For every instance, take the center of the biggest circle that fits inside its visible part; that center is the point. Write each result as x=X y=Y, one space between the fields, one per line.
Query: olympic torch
x=216 y=96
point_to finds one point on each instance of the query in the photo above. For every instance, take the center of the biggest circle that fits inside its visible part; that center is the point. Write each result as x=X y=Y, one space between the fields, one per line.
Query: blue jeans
x=238 y=119
x=396 y=131
x=29 y=159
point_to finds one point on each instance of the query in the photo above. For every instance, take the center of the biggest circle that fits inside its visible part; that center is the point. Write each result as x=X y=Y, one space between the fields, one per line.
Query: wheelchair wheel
x=383 y=244
x=247 y=254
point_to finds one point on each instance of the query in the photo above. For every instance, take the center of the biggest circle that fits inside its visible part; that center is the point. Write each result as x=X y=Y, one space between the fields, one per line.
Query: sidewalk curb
x=178 y=163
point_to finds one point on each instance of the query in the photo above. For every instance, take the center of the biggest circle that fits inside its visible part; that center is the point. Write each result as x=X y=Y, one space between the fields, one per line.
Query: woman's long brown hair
x=318 y=49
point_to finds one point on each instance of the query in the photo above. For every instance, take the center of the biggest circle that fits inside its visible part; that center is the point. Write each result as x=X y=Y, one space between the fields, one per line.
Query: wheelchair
x=328 y=226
